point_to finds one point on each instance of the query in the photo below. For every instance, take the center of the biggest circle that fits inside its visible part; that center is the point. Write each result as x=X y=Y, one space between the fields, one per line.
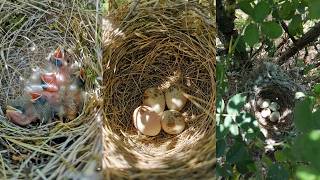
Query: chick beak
x=35 y=96
x=11 y=108
x=80 y=78
x=59 y=58
x=82 y=75
x=49 y=82
x=58 y=53
x=48 y=78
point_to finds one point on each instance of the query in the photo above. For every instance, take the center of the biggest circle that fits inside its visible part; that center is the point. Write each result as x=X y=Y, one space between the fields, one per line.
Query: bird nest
x=270 y=83
x=29 y=31
x=157 y=44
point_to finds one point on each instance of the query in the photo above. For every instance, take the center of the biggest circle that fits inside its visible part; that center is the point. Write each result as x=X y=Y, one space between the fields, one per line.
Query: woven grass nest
x=156 y=44
x=269 y=82
x=29 y=31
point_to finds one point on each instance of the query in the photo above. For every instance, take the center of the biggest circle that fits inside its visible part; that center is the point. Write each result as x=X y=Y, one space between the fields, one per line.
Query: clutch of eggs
x=151 y=117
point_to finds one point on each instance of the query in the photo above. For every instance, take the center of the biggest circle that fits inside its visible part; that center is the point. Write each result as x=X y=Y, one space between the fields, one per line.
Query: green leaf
x=235 y=104
x=315 y=118
x=314 y=11
x=245 y=167
x=221 y=147
x=248 y=125
x=307 y=173
x=280 y=156
x=224 y=171
x=220 y=105
x=271 y=29
x=220 y=71
x=261 y=11
x=241 y=45
x=221 y=80
x=266 y=160
x=246 y=7
x=307 y=148
x=287 y=10
x=234 y=130
x=218 y=119
x=301 y=7
x=222 y=132
x=251 y=35
x=245 y=118
x=277 y=172
x=252 y=167
x=316 y=89
x=227 y=121
x=289 y=153
x=303 y=115
x=314 y=135
x=295 y=25
x=237 y=153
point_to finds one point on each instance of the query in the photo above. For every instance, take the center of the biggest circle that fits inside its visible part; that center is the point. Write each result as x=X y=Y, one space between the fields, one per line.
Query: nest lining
x=57 y=149
x=156 y=47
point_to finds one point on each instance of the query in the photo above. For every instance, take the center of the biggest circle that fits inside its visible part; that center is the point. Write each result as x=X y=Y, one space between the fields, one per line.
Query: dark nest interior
x=29 y=31
x=285 y=98
x=157 y=44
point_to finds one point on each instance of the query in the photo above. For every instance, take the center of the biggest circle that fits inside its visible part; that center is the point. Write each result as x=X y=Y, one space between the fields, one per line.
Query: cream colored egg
x=275 y=116
x=274 y=106
x=265 y=113
x=265 y=104
x=175 y=99
x=154 y=98
x=147 y=121
x=172 y=122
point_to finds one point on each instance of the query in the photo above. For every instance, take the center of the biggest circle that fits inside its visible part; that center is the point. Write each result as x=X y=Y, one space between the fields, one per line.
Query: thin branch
x=286 y=29
x=255 y=53
x=306 y=39
x=279 y=48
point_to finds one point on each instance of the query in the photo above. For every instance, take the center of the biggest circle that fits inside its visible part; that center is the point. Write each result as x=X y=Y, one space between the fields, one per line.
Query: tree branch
x=286 y=29
x=307 y=38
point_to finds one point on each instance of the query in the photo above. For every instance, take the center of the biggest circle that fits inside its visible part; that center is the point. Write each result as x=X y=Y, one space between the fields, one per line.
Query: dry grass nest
x=270 y=82
x=156 y=44
x=29 y=31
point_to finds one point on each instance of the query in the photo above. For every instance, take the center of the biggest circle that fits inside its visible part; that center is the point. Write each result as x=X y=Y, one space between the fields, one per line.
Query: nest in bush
x=269 y=82
x=156 y=44
x=30 y=31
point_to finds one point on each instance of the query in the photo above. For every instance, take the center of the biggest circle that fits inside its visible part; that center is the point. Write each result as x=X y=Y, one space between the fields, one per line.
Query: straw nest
x=269 y=81
x=156 y=44
x=29 y=31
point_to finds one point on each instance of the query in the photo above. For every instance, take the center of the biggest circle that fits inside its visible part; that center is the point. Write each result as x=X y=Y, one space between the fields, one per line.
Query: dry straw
x=29 y=30
x=155 y=44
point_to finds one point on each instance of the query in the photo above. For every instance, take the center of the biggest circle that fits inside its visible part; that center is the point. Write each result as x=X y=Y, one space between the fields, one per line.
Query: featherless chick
x=23 y=111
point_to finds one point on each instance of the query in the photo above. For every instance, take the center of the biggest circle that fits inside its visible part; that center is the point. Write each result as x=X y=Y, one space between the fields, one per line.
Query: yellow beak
x=12 y=109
